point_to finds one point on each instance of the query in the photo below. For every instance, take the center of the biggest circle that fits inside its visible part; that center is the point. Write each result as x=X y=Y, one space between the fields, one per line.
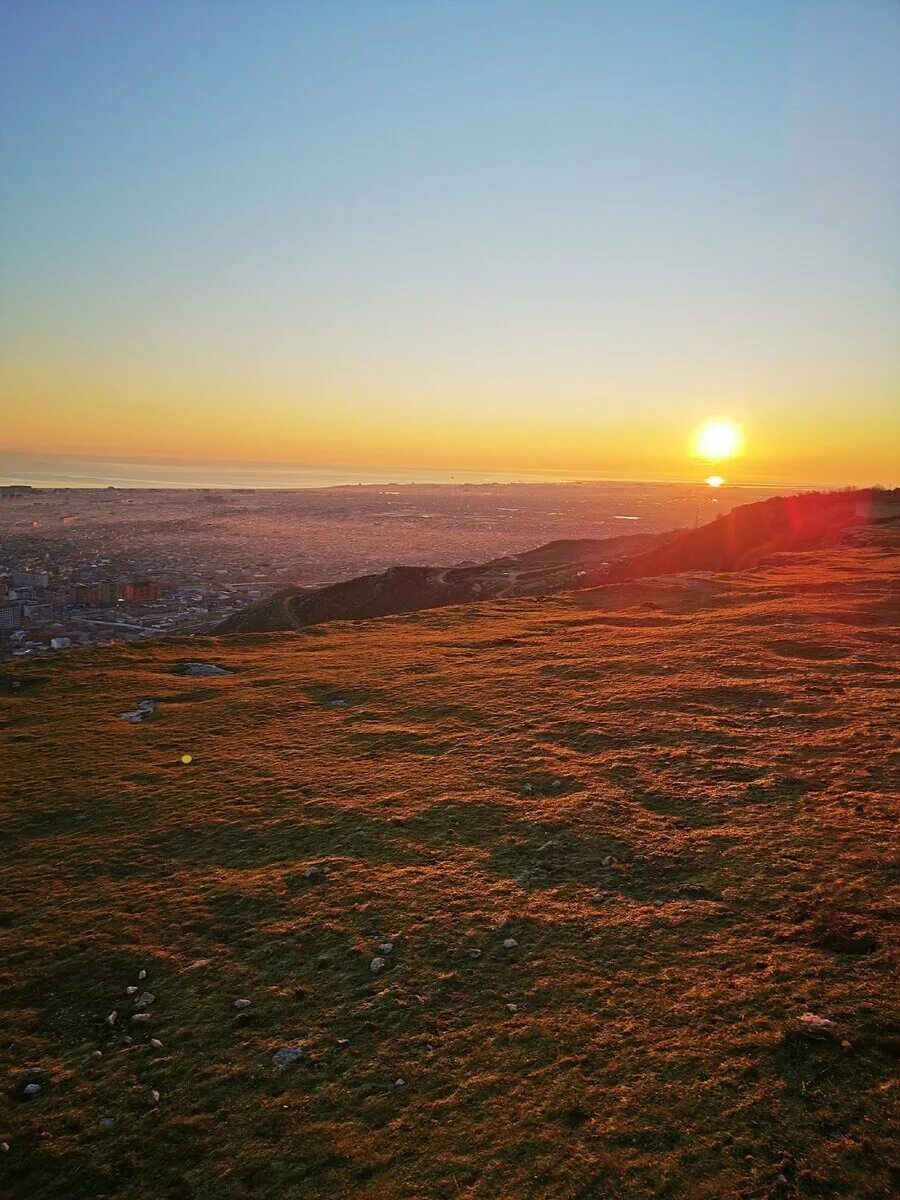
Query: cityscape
x=89 y=567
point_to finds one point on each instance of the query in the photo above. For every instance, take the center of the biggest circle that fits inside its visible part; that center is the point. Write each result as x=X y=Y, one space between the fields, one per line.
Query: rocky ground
x=577 y=897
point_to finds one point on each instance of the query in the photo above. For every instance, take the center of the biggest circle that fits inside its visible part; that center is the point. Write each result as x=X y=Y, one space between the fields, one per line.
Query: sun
x=718 y=440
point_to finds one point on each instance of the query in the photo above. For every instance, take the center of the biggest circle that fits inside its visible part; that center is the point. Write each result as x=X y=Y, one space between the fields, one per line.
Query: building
x=30 y=579
x=10 y=617
x=142 y=590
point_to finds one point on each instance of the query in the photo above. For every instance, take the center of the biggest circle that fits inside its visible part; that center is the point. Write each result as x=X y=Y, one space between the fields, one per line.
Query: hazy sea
x=61 y=471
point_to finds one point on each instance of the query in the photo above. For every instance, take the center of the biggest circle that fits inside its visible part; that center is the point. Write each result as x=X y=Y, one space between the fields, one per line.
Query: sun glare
x=716 y=440
x=715 y=480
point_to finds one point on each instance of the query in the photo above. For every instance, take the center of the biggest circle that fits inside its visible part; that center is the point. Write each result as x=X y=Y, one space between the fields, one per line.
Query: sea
x=75 y=471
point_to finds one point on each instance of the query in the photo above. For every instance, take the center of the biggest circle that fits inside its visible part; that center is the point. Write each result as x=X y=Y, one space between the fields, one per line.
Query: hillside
x=604 y=851
x=740 y=538
x=556 y=567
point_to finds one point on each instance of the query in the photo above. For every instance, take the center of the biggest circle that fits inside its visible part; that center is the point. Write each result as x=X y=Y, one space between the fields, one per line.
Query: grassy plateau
x=619 y=843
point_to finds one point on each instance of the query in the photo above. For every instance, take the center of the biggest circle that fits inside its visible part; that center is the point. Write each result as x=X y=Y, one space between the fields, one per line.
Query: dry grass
x=729 y=747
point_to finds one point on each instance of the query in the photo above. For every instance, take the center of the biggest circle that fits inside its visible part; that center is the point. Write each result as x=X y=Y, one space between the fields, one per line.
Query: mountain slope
x=738 y=539
x=618 y=852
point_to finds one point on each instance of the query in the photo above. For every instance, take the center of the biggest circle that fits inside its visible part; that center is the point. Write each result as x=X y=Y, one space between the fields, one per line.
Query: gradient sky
x=452 y=234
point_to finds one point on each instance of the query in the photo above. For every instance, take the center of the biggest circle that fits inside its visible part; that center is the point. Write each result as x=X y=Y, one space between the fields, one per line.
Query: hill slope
x=740 y=538
x=619 y=841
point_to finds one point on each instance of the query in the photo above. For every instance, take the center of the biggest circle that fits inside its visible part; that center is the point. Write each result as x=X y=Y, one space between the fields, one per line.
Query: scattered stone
x=343 y=1041
x=111 y=1019
x=314 y=873
x=32 y=1089
x=400 y=1082
x=107 y=1122
x=286 y=1057
x=338 y=703
x=510 y=944
x=846 y=1046
x=512 y=1008
x=127 y=1041
x=199 y=668
x=97 y=1054
x=129 y=991
x=386 y=948
x=144 y=1000
x=141 y=1016
x=156 y=1044
x=153 y=1098
x=377 y=964
x=814 y=1025
x=528 y=789
x=609 y=861
x=239 y=1004
x=142 y=975
x=4 y=1147
x=474 y=954
x=546 y=846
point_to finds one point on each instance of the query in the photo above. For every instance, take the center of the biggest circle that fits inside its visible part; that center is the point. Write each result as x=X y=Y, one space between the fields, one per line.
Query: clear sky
x=443 y=233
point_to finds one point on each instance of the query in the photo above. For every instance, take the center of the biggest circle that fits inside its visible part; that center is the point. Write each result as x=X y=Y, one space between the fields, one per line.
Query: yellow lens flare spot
x=187 y=759
x=717 y=440
x=715 y=480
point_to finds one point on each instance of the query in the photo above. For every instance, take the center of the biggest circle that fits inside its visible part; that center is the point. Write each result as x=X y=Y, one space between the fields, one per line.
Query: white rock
x=140 y=1017
x=400 y=1082
x=153 y=1098
x=142 y=975
x=97 y=1054
x=474 y=954
x=130 y=990
x=512 y=1008
x=609 y=861
x=242 y=1004
x=376 y=965
x=386 y=948
x=156 y=1044
x=815 y=1024
x=510 y=944
x=144 y=1000
x=111 y=1019
x=32 y=1089
x=286 y=1057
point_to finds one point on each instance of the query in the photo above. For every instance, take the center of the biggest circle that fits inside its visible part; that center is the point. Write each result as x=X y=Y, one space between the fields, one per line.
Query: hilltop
x=623 y=857
x=742 y=537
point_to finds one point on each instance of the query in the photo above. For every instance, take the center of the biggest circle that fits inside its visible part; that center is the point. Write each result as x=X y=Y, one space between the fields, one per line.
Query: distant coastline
x=76 y=471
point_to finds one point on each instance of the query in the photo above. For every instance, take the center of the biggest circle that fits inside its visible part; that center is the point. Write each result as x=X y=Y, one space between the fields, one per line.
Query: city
x=86 y=567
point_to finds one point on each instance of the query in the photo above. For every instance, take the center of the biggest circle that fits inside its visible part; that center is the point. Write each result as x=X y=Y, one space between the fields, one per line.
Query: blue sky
x=464 y=233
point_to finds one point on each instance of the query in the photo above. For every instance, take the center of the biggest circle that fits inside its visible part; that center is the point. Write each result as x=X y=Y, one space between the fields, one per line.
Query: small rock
x=609 y=861
x=343 y=1041
x=32 y=1089
x=400 y=1082
x=127 y=1041
x=107 y=1122
x=111 y=1019
x=474 y=954
x=156 y=1044
x=142 y=975
x=144 y=1000
x=153 y=1098
x=377 y=964
x=813 y=1024
x=510 y=944
x=4 y=1147
x=286 y=1057
x=386 y=948
x=129 y=991
x=546 y=846
x=239 y=1004
x=97 y=1054
x=141 y=1016
x=846 y=1046
x=314 y=873
x=199 y=668
x=512 y=1008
